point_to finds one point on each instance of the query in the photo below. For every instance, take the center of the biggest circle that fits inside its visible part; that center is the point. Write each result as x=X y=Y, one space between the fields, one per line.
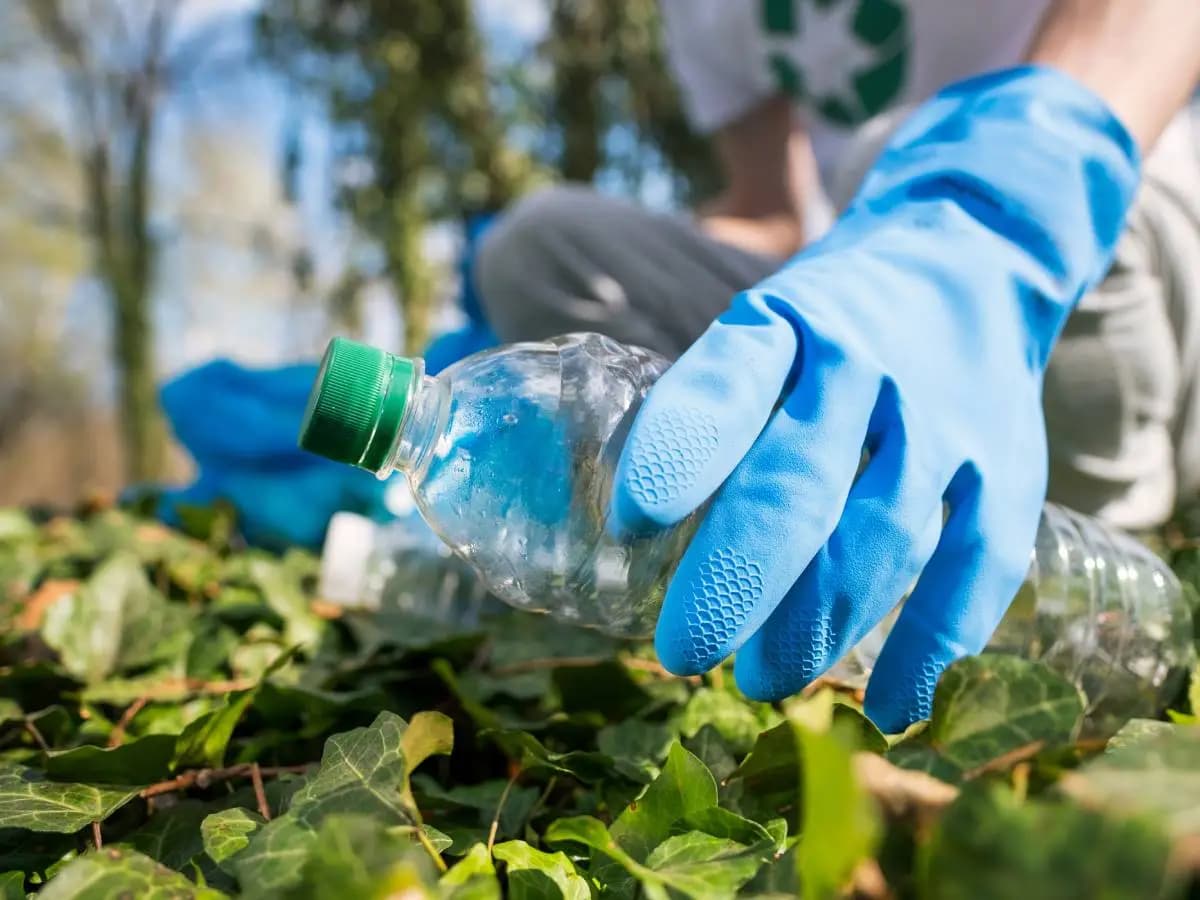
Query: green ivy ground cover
x=179 y=719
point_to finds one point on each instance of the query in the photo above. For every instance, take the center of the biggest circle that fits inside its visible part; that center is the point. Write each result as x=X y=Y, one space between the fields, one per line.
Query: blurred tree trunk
x=409 y=270
x=407 y=82
x=579 y=54
x=501 y=174
x=116 y=111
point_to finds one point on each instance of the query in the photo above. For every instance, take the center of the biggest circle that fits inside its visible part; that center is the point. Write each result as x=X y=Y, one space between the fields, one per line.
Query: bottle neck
x=424 y=419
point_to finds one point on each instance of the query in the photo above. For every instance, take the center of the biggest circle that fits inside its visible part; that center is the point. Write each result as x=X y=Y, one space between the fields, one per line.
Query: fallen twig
x=118 y=732
x=583 y=662
x=1006 y=760
x=203 y=778
x=260 y=792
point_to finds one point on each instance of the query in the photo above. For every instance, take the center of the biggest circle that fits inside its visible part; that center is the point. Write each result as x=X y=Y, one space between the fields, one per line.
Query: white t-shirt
x=843 y=61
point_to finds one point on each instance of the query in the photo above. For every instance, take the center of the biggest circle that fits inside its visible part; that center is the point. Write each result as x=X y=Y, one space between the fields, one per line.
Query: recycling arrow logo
x=846 y=60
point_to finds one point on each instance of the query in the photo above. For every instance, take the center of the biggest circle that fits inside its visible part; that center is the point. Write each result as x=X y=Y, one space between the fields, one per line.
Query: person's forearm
x=767 y=163
x=1141 y=56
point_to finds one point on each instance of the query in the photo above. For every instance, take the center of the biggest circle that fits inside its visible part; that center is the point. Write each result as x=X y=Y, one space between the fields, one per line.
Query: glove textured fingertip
x=896 y=705
x=791 y=663
x=701 y=624
x=667 y=453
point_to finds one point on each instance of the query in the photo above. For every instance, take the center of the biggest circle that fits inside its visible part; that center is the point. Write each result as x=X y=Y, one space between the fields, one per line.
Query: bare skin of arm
x=768 y=166
x=1141 y=56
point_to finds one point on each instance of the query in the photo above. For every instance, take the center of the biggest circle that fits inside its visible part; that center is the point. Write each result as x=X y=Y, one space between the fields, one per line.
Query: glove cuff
x=1032 y=157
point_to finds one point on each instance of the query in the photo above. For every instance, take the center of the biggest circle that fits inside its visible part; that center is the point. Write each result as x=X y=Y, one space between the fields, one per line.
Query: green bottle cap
x=356 y=404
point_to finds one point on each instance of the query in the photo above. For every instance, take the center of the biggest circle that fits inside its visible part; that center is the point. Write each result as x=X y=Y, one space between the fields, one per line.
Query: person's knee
x=516 y=261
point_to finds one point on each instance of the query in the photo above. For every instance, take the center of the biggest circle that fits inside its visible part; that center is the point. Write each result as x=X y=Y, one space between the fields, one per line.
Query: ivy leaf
x=1158 y=774
x=867 y=735
x=274 y=858
x=205 y=739
x=115 y=873
x=29 y=800
x=767 y=783
x=483 y=799
x=227 y=833
x=115 y=622
x=203 y=742
x=141 y=761
x=474 y=878
x=684 y=787
x=737 y=720
x=357 y=856
x=172 y=835
x=712 y=750
x=1194 y=690
x=285 y=705
x=536 y=875
x=15 y=526
x=989 y=846
x=694 y=864
x=10 y=711
x=586 y=766
x=700 y=865
x=1138 y=732
x=283 y=595
x=839 y=826
x=366 y=770
x=590 y=832
x=986 y=706
x=682 y=798
x=12 y=886
x=918 y=756
x=606 y=688
x=31 y=851
x=363 y=772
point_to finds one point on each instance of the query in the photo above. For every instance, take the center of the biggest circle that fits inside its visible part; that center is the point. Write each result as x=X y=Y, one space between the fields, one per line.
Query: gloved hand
x=918 y=329
x=239 y=425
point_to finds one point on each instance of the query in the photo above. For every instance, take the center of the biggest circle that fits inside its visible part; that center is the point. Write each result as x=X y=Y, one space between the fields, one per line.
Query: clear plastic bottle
x=399 y=567
x=1098 y=607
x=511 y=453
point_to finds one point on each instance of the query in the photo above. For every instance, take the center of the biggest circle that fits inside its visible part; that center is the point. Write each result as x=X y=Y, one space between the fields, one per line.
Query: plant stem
x=118 y=732
x=491 y=841
x=37 y=736
x=260 y=793
x=430 y=849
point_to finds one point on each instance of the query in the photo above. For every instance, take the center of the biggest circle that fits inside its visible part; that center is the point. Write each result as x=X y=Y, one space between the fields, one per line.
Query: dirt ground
x=59 y=463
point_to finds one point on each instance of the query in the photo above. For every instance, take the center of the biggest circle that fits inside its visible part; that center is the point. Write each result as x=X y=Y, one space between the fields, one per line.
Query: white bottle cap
x=349 y=541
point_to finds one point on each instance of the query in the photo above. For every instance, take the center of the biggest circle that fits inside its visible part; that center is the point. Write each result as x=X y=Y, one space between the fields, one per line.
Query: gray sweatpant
x=1121 y=398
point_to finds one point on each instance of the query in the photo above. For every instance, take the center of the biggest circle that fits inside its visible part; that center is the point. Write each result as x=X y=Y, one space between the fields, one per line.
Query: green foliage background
x=182 y=718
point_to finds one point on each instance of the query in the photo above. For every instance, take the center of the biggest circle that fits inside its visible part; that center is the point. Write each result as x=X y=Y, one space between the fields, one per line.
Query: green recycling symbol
x=844 y=59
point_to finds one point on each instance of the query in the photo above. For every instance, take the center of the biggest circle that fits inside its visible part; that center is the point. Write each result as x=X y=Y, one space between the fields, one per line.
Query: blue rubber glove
x=447 y=349
x=476 y=335
x=239 y=425
x=918 y=329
